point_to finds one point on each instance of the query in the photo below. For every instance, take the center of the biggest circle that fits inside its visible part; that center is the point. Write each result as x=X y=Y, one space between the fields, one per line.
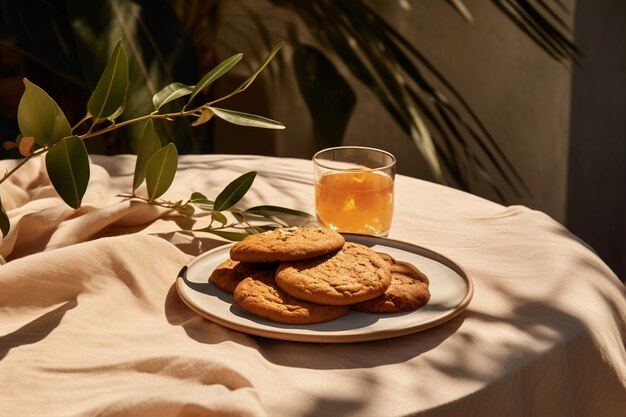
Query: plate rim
x=284 y=334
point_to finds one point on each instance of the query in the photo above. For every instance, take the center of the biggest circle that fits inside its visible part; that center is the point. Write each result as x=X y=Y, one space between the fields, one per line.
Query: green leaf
x=160 y=51
x=219 y=217
x=5 y=224
x=260 y=68
x=252 y=229
x=201 y=201
x=67 y=164
x=160 y=170
x=222 y=68
x=282 y=215
x=267 y=210
x=185 y=210
x=234 y=191
x=108 y=99
x=232 y=236
x=171 y=93
x=246 y=119
x=39 y=116
x=149 y=144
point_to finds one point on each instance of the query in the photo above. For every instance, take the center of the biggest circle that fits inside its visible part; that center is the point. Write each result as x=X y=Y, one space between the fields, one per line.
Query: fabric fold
x=91 y=322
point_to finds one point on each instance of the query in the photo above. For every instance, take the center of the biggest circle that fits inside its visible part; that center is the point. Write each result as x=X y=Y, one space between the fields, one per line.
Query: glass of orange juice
x=354 y=189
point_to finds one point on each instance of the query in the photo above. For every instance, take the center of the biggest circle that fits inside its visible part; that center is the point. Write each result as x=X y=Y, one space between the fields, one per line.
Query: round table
x=92 y=323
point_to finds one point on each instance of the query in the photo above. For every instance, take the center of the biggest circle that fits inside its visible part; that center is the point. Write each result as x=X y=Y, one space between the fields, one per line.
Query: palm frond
x=542 y=23
x=462 y=9
x=404 y=81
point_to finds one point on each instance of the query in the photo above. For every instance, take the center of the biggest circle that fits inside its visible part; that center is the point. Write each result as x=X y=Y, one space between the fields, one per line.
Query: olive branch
x=44 y=129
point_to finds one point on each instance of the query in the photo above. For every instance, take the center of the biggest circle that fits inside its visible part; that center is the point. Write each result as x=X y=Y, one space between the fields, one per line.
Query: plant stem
x=22 y=162
x=167 y=204
x=226 y=226
x=15 y=168
x=152 y=116
x=90 y=134
x=81 y=121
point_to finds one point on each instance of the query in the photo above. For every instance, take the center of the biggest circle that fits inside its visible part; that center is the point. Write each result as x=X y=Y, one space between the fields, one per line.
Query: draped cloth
x=91 y=322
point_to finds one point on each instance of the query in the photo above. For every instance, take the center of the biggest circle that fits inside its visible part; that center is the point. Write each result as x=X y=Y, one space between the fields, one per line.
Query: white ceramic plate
x=451 y=291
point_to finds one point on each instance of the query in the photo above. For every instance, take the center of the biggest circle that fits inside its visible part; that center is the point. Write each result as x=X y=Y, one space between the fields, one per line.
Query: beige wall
x=521 y=95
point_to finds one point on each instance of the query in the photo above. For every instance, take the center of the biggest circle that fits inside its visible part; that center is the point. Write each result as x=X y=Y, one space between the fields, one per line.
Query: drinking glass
x=354 y=189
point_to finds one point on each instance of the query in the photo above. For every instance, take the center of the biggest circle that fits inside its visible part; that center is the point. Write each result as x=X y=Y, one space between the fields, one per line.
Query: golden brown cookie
x=260 y=296
x=353 y=274
x=386 y=257
x=408 y=291
x=287 y=244
x=229 y=273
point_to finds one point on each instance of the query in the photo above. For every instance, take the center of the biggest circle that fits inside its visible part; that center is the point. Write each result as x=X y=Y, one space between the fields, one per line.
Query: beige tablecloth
x=91 y=323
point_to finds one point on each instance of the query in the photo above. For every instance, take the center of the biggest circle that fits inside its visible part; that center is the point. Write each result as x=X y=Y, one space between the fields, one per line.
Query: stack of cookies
x=312 y=275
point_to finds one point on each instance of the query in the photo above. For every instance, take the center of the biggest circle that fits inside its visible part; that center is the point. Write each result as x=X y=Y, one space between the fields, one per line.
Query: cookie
x=259 y=295
x=287 y=244
x=353 y=274
x=408 y=291
x=229 y=273
x=386 y=257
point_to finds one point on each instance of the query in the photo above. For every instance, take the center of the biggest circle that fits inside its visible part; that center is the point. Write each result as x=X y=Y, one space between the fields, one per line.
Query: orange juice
x=355 y=202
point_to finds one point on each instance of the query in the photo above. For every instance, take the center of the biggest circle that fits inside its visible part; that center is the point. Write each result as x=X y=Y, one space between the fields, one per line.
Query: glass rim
x=364 y=148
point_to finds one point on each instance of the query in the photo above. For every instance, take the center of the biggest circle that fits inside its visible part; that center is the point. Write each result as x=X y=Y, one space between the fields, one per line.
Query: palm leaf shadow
x=403 y=80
